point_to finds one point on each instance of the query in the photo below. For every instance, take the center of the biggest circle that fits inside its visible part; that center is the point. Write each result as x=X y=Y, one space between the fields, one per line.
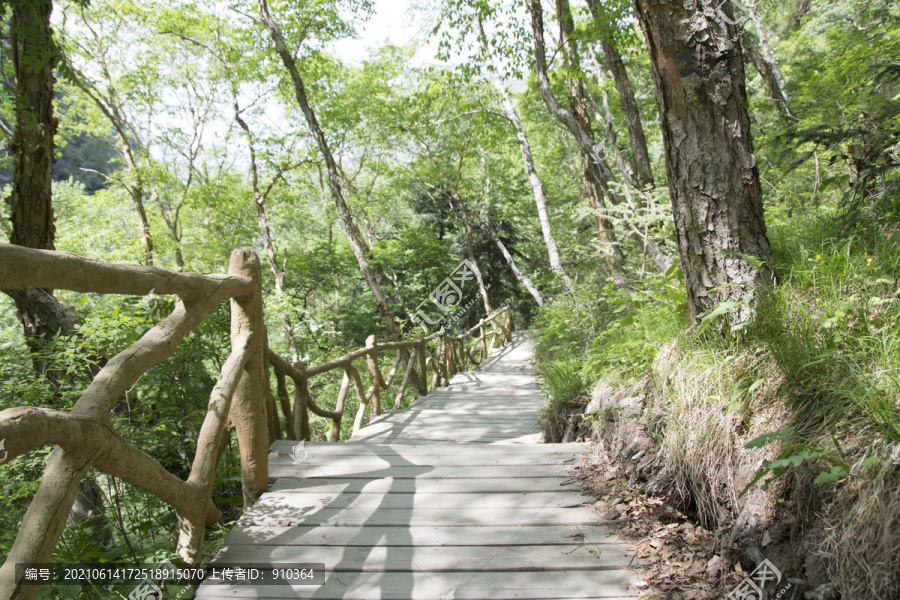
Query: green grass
x=832 y=324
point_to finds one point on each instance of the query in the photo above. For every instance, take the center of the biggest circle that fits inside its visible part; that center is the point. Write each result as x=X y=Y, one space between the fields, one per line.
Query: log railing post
x=420 y=352
x=484 y=350
x=248 y=406
x=339 y=408
x=374 y=376
x=281 y=386
x=398 y=401
x=451 y=359
x=301 y=402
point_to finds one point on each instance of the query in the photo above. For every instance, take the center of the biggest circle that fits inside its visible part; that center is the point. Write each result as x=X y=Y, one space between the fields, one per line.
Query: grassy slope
x=823 y=358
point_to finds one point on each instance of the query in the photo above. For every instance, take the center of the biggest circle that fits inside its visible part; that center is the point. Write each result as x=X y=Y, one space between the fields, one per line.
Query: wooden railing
x=85 y=437
x=445 y=358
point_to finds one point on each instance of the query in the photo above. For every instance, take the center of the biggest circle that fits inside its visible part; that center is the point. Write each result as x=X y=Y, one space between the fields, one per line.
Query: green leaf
x=833 y=475
x=769 y=437
x=720 y=309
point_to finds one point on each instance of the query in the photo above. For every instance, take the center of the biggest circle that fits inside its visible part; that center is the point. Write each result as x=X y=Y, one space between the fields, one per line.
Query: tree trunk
x=643 y=174
x=522 y=277
x=537 y=187
x=597 y=175
x=606 y=118
x=713 y=178
x=259 y=199
x=33 y=144
x=597 y=172
x=137 y=200
x=111 y=109
x=334 y=181
x=651 y=247
x=31 y=202
x=642 y=171
x=470 y=250
x=762 y=58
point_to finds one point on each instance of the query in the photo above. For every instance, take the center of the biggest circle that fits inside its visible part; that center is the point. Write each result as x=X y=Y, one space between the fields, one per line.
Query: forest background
x=181 y=136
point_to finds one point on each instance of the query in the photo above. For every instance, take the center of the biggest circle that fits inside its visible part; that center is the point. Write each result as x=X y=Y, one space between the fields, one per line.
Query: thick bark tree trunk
x=33 y=144
x=537 y=187
x=712 y=171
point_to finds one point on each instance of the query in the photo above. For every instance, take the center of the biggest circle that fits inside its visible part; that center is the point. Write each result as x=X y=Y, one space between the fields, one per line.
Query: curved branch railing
x=444 y=354
x=85 y=437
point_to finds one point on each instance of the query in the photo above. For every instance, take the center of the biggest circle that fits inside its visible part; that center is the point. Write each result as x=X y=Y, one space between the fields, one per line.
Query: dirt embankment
x=669 y=467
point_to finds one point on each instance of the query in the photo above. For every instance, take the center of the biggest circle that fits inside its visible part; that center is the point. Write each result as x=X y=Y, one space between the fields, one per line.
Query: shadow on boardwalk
x=451 y=498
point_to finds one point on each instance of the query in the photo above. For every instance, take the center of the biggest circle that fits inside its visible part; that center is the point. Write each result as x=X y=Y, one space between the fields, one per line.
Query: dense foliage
x=183 y=105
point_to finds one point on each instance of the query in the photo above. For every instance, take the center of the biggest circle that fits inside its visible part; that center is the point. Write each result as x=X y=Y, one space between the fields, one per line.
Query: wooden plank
x=420 y=486
x=400 y=559
x=353 y=448
x=264 y=514
x=406 y=511
x=420 y=435
x=310 y=502
x=459 y=420
x=303 y=535
x=385 y=460
x=419 y=471
x=435 y=586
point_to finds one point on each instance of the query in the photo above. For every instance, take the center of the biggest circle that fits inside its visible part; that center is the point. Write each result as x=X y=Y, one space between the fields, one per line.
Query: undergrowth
x=831 y=323
x=810 y=389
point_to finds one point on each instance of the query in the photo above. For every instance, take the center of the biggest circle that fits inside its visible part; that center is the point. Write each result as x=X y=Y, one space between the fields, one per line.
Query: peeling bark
x=713 y=178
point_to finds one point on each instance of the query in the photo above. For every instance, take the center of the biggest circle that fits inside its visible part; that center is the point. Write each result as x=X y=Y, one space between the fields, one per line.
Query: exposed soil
x=675 y=558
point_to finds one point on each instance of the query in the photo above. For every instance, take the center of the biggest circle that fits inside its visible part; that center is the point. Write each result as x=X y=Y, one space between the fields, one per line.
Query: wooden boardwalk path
x=452 y=498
